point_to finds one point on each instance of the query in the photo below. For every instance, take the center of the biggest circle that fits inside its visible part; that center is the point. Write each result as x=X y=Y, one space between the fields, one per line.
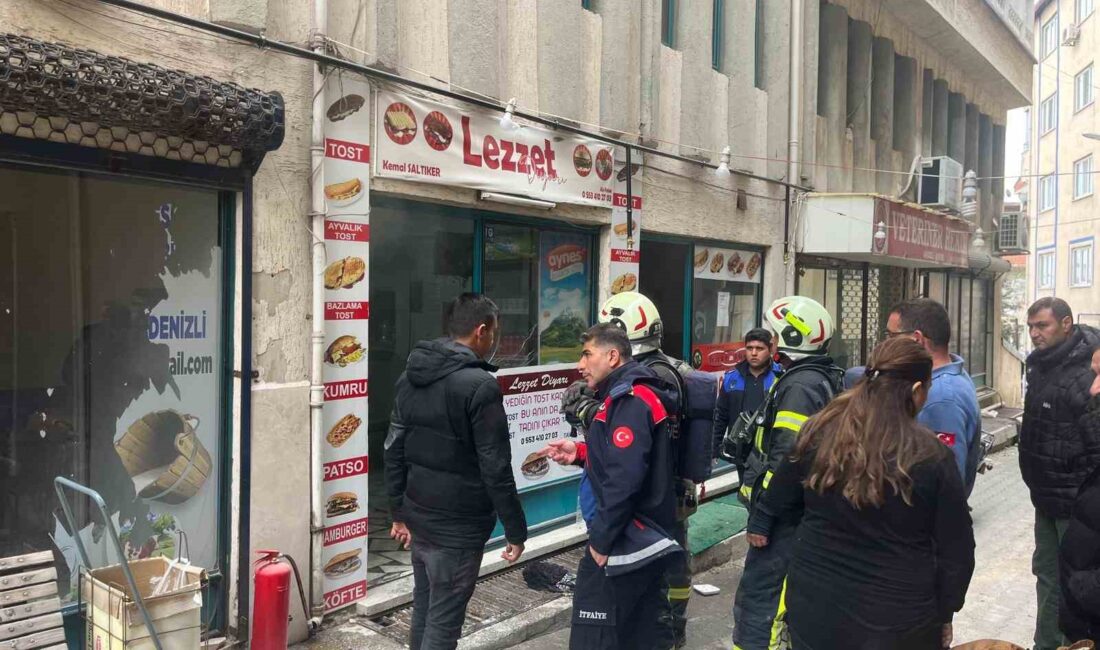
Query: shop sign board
x=347 y=312
x=920 y=235
x=728 y=264
x=428 y=141
x=625 y=256
x=532 y=400
x=717 y=357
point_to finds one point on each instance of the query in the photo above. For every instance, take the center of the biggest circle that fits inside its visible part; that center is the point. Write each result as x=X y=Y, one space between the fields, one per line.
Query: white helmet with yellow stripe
x=804 y=327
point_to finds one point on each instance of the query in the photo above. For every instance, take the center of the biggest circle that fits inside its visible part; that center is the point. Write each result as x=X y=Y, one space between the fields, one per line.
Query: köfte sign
x=431 y=142
x=915 y=234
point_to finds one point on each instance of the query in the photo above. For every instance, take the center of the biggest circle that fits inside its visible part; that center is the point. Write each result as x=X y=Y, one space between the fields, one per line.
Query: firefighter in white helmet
x=803 y=330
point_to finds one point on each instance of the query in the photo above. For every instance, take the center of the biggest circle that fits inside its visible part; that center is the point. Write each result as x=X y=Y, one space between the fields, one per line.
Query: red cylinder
x=271 y=602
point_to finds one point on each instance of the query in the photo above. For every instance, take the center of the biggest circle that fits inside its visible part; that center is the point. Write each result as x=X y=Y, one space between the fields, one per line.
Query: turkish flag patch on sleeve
x=946 y=438
x=622 y=437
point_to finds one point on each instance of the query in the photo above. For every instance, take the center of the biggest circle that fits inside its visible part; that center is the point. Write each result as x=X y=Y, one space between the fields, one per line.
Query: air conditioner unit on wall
x=1071 y=34
x=940 y=183
x=1012 y=233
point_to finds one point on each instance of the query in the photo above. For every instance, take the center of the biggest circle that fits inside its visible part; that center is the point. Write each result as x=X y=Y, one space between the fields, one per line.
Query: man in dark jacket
x=1054 y=455
x=628 y=458
x=743 y=389
x=1079 y=554
x=449 y=469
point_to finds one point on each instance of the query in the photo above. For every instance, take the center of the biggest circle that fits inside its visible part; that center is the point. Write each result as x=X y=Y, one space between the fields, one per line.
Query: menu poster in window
x=625 y=254
x=564 y=299
x=532 y=399
x=347 y=313
x=713 y=263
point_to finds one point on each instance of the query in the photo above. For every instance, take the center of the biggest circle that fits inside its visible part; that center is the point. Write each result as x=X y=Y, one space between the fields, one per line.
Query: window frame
x=1048 y=106
x=1042 y=205
x=1086 y=244
x=1047 y=48
x=718 y=35
x=668 y=23
x=1077 y=87
x=1088 y=176
x=1044 y=278
x=758 y=45
x=1077 y=10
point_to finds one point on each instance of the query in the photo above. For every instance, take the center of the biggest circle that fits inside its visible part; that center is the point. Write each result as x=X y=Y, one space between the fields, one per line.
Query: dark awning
x=53 y=92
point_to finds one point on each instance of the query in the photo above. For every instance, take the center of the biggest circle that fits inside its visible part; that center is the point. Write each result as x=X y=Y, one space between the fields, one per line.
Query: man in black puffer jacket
x=1054 y=450
x=1079 y=555
x=449 y=469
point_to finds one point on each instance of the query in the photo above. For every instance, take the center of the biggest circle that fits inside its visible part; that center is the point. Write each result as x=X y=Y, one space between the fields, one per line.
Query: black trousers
x=444 y=580
x=617 y=613
x=672 y=631
x=813 y=637
x=757 y=602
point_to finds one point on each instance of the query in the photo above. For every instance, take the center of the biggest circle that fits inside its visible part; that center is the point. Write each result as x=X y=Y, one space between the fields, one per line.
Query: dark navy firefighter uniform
x=628 y=463
x=803 y=390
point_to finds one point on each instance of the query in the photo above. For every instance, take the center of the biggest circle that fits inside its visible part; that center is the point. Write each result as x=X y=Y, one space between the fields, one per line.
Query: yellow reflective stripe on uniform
x=779 y=623
x=746 y=491
x=760 y=438
x=768 y=478
x=789 y=420
x=679 y=593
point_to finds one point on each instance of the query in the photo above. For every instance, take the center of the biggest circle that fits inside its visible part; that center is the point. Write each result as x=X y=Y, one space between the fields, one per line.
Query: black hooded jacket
x=1055 y=449
x=1079 y=556
x=448 y=456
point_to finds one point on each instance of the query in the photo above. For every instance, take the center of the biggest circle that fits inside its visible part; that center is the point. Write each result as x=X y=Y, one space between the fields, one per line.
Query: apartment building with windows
x=1063 y=146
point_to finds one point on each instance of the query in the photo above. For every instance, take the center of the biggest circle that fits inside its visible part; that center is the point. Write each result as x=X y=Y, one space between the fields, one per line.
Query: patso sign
x=424 y=140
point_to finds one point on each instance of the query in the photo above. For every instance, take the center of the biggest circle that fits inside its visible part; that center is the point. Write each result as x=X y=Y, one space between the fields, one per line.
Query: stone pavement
x=1001 y=600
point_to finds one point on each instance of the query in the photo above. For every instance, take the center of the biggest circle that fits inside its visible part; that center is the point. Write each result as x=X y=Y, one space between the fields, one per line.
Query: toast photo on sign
x=344 y=428
x=345 y=273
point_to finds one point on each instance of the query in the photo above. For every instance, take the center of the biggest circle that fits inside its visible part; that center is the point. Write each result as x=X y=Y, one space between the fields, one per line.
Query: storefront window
x=111 y=365
x=422 y=256
x=723 y=287
x=722 y=311
x=511 y=279
x=979 y=368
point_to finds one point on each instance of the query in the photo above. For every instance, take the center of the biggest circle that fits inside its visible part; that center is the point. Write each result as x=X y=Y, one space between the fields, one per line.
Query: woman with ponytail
x=885 y=547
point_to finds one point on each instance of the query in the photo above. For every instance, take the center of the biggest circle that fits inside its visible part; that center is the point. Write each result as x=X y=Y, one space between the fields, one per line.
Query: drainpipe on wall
x=794 y=129
x=317 y=338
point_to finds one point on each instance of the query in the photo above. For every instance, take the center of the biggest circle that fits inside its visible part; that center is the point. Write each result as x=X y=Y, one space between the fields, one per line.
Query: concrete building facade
x=1061 y=146
x=882 y=85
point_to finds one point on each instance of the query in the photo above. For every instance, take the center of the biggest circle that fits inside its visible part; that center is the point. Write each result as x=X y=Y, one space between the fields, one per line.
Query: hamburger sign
x=420 y=139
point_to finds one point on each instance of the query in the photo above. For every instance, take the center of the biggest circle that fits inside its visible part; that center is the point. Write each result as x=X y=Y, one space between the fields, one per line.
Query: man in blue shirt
x=743 y=388
x=952 y=408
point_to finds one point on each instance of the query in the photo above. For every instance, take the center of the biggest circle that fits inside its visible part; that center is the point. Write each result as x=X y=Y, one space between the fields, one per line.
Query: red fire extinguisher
x=271 y=606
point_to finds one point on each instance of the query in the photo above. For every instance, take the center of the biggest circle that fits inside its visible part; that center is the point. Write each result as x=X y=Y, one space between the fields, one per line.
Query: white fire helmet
x=638 y=317
x=803 y=325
